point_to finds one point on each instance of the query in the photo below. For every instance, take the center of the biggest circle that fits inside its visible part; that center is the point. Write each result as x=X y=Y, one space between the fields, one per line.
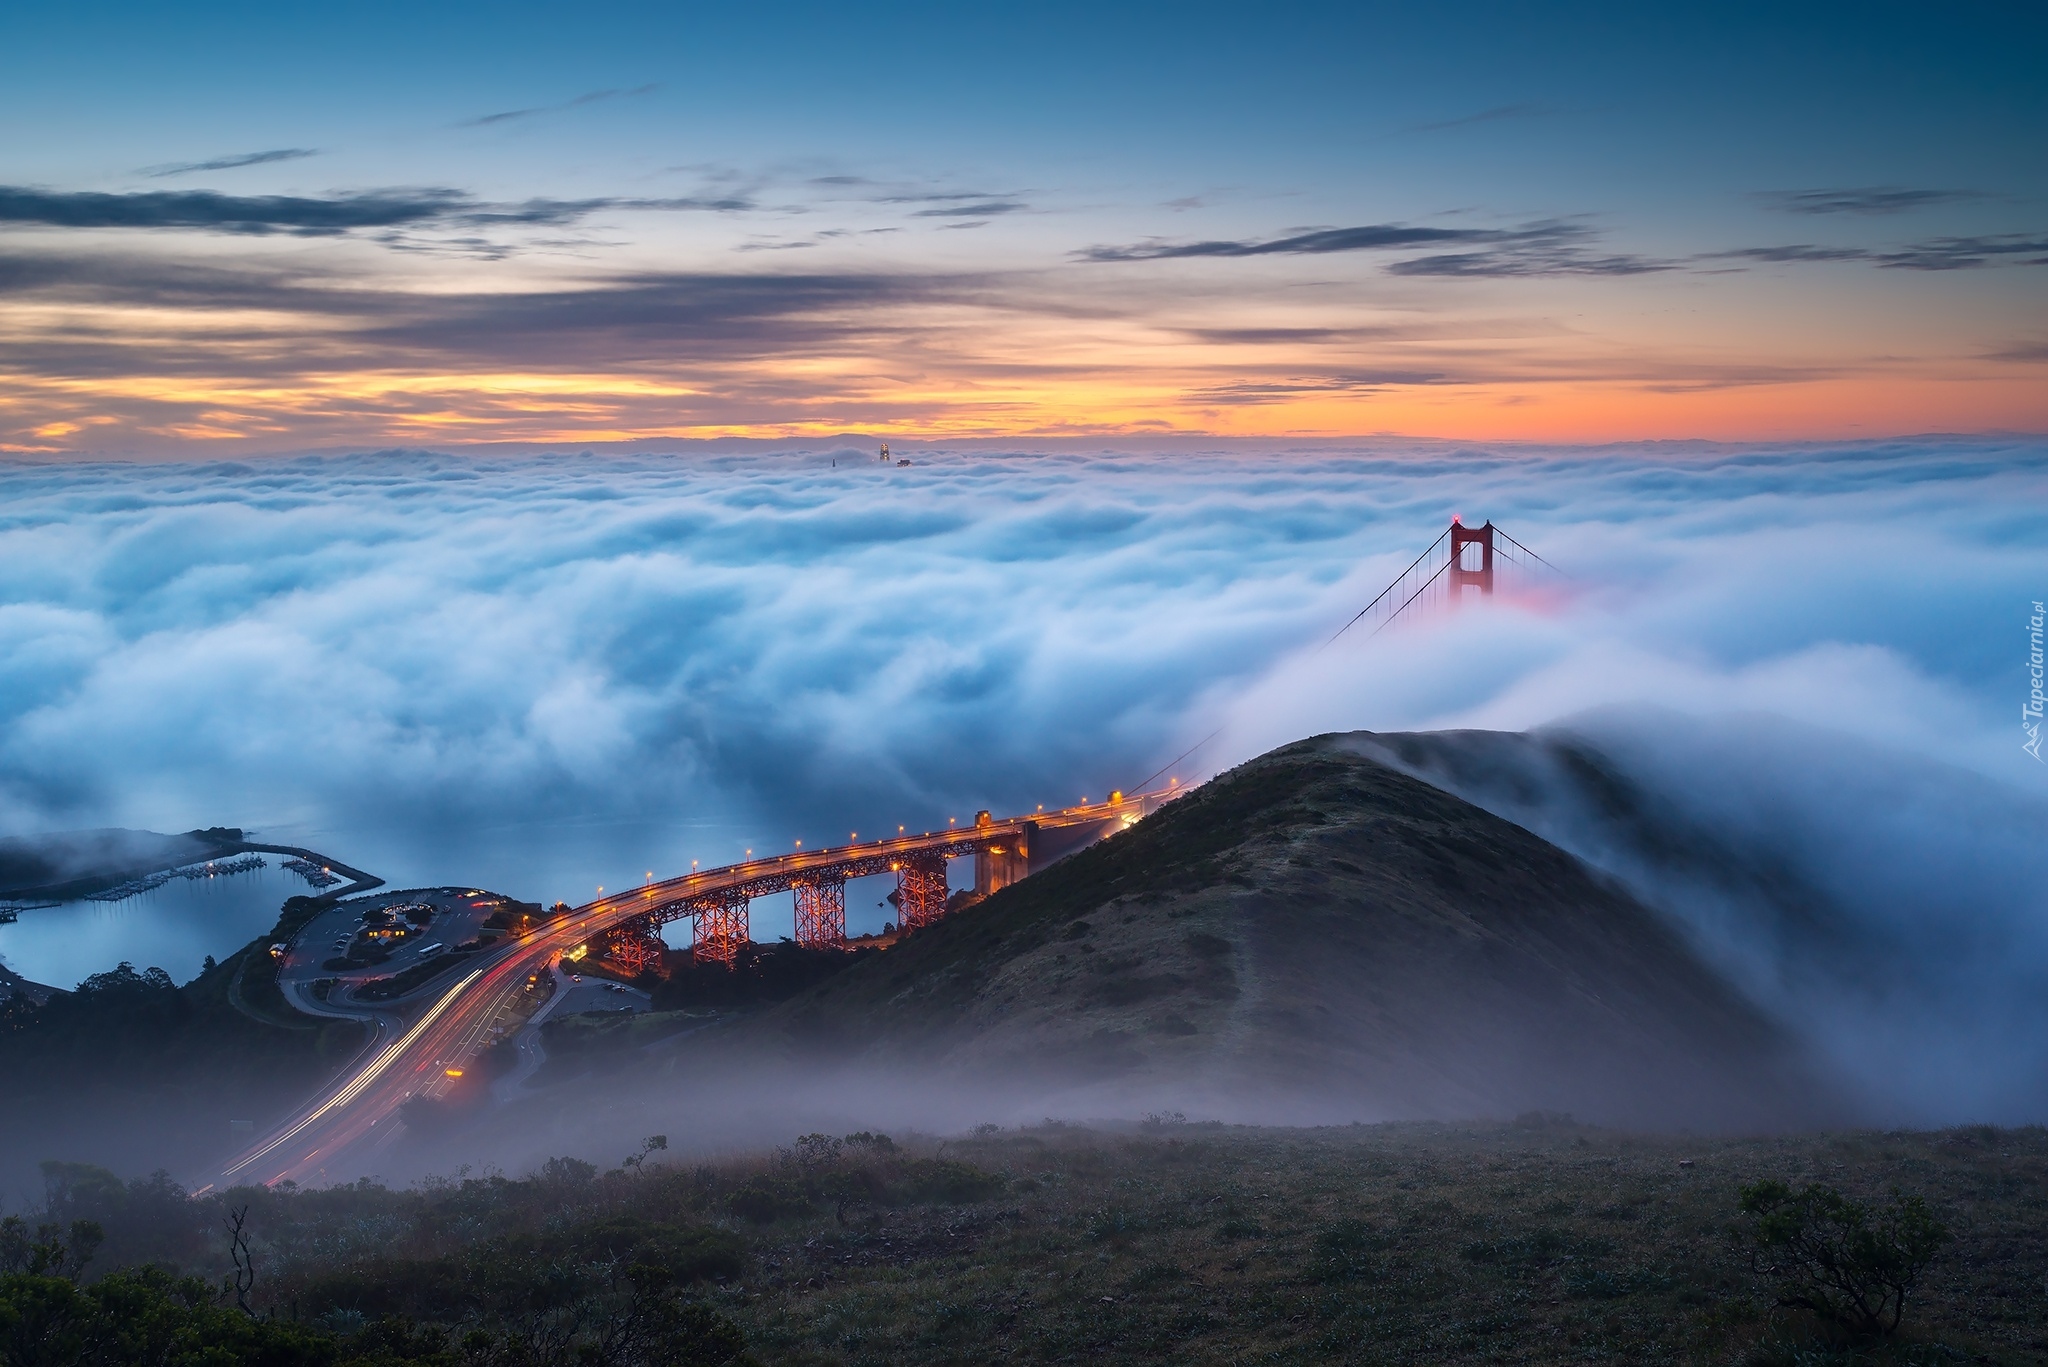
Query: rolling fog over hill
x=556 y=672
x=547 y=674
x=1891 y=911
x=1312 y=938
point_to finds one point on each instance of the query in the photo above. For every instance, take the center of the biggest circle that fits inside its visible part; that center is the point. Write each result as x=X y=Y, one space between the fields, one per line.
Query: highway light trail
x=364 y=1079
x=464 y=1016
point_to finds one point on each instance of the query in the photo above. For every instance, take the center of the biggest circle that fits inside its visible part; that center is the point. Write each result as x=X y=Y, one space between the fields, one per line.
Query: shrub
x=1835 y=1257
x=764 y=1199
x=868 y=1139
x=568 y=1171
x=813 y=1150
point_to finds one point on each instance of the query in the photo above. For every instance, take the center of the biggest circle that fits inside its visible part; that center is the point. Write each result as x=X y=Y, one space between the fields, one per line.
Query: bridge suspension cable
x=1437 y=577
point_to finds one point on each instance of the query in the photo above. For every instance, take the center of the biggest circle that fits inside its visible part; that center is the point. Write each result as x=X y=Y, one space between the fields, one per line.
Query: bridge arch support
x=718 y=925
x=920 y=889
x=820 y=912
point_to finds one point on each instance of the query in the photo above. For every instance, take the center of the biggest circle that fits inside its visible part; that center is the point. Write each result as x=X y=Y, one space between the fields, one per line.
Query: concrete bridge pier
x=1002 y=861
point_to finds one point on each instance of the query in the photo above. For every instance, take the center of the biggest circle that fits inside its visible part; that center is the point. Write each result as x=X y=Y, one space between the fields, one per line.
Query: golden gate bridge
x=1461 y=560
x=421 y=1055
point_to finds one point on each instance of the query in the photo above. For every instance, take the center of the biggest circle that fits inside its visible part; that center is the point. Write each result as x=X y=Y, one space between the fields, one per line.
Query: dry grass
x=1423 y=1244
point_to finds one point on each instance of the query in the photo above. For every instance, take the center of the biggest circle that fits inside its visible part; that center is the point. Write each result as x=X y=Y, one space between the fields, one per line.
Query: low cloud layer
x=552 y=673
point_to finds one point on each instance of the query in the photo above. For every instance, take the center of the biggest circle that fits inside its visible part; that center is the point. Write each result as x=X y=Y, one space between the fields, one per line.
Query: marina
x=212 y=868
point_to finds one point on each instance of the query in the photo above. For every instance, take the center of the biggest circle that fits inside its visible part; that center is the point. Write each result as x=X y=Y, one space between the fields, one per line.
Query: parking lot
x=358 y=941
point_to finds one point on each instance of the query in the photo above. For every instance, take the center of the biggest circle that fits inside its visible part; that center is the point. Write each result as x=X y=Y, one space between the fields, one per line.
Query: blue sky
x=1743 y=222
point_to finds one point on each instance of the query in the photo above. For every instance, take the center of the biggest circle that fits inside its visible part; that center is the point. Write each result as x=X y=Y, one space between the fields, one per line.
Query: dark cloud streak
x=1242 y=393
x=1371 y=237
x=984 y=209
x=1934 y=254
x=396 y=208
x=1546 y=247
x=593 y=97
x=1870 y=199
x=232 y=163
x=648 y=319
x=1802 y=251
x=230 y=213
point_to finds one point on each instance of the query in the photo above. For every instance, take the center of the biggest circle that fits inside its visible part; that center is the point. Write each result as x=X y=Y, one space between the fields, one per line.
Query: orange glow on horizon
x=53 y=416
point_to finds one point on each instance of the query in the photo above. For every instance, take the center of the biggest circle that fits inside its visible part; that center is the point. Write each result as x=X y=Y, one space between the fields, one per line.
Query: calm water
x=176 y=926
x=173 y=927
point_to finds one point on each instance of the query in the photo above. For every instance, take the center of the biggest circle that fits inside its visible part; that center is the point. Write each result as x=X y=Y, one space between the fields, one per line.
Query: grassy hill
x=1317 y=936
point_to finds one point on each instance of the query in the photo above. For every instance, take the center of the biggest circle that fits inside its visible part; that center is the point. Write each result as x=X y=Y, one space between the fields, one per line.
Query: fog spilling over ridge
x=547 y=673
x=1891 y=911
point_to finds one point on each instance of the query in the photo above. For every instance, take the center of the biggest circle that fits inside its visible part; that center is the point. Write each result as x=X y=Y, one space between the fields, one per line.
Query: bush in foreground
x=1837 y=1258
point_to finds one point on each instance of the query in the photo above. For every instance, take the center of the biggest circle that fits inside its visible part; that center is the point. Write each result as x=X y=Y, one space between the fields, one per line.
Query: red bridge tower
x=1482 y=575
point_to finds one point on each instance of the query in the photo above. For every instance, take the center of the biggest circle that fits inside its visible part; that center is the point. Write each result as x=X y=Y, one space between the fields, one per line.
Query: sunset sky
x=272 y=228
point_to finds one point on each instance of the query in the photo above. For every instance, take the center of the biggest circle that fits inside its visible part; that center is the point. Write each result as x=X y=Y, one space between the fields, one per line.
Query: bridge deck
x=671 y=898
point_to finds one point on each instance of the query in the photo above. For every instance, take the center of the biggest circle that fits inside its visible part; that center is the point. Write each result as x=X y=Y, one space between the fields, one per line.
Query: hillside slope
x=133 y=1072
x=1315 y=936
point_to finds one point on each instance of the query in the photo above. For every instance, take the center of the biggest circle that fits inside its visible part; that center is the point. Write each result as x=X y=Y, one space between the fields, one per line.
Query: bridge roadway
x=420 y=1055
